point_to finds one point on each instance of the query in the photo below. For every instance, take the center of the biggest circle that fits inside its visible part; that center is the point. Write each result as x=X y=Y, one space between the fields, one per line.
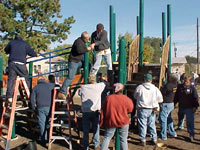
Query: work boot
x=61 y=95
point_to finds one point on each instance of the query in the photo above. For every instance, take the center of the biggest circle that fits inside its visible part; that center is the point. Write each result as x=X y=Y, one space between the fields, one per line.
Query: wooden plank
x=164 y=61
x=133 y=57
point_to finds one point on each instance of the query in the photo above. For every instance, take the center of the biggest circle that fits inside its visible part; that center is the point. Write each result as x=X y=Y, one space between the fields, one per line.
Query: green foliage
x=191 y=59
x=148 y=53
x=151 y=51
x=35 y=21
x=154 y=43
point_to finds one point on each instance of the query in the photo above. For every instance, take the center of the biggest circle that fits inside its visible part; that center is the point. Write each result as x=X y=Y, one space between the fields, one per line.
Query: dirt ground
x=181 y=142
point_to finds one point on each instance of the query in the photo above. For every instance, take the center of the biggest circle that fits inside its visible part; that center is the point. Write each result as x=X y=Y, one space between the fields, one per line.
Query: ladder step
x=4 y=126
x=60 y=113
x=21 y=108
x=3 y=139
x=60 y=137
x=60 y=100
x=60 y=125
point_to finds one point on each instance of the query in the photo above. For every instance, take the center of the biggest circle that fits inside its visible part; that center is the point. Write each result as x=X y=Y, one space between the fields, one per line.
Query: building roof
x=179 y=60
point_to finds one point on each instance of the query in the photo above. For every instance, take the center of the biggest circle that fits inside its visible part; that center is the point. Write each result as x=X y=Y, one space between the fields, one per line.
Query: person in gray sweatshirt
x=41 y=98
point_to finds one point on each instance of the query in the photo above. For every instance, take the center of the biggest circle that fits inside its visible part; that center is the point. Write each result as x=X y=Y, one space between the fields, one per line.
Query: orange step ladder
x=8 y=111
x=53 y=119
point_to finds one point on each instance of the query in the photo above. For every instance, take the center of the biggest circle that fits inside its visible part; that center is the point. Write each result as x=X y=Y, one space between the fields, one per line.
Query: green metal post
x=169 y=34
x=138 y=25
x=122 y=59
x=163 y=28
x=141 y=33
x=86 y=65
x=112 y=32
x=114 y=38
x=1 y=75
x=13 y=129
x=30 y=74
x=122 y=76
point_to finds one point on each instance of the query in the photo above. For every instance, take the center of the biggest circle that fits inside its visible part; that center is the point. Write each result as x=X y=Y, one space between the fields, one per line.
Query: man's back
x=18 y=49
x=42 y=94
x=148 y=96
x=91 y=96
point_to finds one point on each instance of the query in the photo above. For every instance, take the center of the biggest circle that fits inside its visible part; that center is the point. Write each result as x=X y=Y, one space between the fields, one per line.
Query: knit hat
x=118 y=87
x=148 y=77
x=92 y=78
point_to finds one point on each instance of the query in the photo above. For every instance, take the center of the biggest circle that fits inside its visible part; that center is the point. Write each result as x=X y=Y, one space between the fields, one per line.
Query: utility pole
x=197 y=46
x=175 y=49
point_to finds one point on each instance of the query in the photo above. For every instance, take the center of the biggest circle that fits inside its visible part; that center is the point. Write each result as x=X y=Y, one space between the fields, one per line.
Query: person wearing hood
x=41 y=98
x=166 y=122
x=148 y=98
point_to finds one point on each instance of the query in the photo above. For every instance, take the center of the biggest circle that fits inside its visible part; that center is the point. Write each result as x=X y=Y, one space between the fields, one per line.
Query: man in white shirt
x=91 y=106
x=148 y=98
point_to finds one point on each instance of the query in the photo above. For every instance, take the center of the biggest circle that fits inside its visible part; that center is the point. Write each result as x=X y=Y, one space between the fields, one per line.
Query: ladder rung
x=60 y=137
x=21 y=108
x=7 y=114
x=4 y=126
x=3 y=139
x=60 y=113
x=60 y=100
x=60 y=125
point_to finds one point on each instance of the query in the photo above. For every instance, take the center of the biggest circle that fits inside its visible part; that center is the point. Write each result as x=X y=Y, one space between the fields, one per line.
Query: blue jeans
x=15 y=70
x=90 y=118
x=189 y=119
x=180 y=120
x=166 y=121
x=146 y=119
x=109 y=133
x=97 y=64
x=73 y=67
x=43 y=120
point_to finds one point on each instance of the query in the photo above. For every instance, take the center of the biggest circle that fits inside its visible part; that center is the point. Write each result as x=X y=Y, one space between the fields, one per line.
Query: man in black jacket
x=17 y=49
x=102 y=46
x=187 y=97
x=41 y=98
x=75 y=61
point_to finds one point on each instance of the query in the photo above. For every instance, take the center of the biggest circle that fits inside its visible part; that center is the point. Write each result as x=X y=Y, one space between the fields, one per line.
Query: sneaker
x=179 y=129
x=61 y=95
x=191 y=139
x=10 y=100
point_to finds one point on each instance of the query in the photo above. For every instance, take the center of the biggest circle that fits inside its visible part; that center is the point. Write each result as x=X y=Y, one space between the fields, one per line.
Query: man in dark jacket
x=41 y=98
x=17 y=49
x=187 y=97
x=102 y=46
x=75 y=61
